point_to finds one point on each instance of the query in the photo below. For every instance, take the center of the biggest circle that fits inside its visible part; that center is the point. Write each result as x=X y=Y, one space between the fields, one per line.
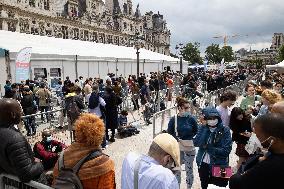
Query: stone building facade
x=277 y=41
x=110 y=21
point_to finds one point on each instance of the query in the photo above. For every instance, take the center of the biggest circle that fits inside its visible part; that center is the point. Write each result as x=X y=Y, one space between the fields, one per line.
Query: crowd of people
x=92 y=108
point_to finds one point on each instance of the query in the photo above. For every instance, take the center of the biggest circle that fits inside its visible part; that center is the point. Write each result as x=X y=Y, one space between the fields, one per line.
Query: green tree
x=280 y=56
x=191 y=53
x=256 y=63
x=227 y=53
x=173 y=55
x=213 y=54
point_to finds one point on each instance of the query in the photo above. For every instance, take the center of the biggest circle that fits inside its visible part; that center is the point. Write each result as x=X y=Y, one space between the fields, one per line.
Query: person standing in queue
x=215 y=145
x=184 y=127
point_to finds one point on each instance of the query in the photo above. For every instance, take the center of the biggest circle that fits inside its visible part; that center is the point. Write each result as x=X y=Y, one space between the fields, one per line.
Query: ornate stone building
x=277 y=41
x=110 y=21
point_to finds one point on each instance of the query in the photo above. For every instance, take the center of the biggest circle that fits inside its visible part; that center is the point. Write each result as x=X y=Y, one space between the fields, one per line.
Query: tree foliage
x=213 y=54
x=191 y=53
x=227 y=53
x=173 y=55
x=280 y=56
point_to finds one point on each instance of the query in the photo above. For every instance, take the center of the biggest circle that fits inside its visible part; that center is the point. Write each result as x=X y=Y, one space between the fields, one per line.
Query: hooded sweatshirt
x=217 y=144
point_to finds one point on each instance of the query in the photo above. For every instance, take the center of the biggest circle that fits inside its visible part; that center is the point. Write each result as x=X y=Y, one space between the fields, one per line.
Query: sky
x=254 y=21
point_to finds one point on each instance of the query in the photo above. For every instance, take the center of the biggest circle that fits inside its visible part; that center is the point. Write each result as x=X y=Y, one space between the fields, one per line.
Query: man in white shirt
x=152 y=171
x=227 y=100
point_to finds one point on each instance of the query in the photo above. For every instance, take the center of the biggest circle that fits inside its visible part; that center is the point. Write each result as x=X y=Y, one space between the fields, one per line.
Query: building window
x=32 y=3
x=46 y=4
x=131 y=27
x=125 y=25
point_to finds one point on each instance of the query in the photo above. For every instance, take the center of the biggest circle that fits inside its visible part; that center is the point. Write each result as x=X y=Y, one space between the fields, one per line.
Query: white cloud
x=200 y=20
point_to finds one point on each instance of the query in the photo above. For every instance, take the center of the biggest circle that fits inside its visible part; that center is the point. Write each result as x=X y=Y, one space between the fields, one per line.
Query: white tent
x=278 y=67
x=14 y=42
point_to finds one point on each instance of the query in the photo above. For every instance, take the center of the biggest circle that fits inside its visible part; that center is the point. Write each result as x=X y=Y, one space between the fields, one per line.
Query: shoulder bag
x=184 y=145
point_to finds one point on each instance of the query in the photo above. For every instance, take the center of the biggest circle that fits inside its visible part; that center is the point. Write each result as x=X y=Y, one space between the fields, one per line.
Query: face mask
x=185 y=114
x=212 y=123
x=212 y=129
x=169 y=165
x=267 y=147
x=48 y=139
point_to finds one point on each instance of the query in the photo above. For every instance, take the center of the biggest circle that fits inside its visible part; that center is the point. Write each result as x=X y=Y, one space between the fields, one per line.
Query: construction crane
x=226 y=38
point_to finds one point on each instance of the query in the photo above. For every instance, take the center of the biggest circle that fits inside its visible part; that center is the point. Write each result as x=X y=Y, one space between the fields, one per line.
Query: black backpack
x=94 y=101
x=73 y=111
x=68 y=177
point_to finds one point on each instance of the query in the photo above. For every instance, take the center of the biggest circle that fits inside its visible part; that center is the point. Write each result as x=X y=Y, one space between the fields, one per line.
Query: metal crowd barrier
x=160 y=119
x=12 y=182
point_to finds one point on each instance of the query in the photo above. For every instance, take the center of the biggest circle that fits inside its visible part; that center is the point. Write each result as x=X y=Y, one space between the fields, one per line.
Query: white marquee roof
x=14 y=42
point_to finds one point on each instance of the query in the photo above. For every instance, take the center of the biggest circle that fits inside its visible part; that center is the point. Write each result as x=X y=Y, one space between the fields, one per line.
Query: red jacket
x=42 y=152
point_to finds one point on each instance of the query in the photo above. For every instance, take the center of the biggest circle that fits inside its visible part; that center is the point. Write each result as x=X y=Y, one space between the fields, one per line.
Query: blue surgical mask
x=185 y=114
x=48 y=139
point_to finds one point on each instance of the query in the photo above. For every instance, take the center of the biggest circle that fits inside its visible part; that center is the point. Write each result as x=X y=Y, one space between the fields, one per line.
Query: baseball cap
x=170 y=145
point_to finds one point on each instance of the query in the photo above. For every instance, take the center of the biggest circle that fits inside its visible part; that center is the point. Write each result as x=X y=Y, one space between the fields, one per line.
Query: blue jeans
x=104 y=139
x=187 y=158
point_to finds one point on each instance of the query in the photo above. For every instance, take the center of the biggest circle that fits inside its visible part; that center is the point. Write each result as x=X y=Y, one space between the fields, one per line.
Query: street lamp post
x=179 y=48
x=137 y=41
x=138 y=61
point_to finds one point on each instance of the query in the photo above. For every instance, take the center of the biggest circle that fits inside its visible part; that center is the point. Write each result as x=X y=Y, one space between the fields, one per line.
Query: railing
x=12 y=182
x=160 y=119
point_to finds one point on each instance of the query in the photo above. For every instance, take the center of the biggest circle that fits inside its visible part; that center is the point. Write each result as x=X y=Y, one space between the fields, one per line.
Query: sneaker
x=112 y=139
x=105 y=147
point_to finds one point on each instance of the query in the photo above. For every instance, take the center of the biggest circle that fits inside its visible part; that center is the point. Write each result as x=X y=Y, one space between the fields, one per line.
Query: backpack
x=73 y=111
x=94 y=101
x=68 y=177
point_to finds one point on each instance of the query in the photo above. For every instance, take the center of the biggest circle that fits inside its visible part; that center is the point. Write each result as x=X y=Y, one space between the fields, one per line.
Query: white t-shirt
x=225 y=116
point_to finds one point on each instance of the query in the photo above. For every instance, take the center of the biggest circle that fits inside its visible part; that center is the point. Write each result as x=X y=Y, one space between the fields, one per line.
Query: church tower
x=113 y=6
x=128 y=7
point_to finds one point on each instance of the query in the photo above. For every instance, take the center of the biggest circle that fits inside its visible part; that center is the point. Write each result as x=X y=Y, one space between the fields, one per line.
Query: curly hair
x=271 y=96
x=90 y=130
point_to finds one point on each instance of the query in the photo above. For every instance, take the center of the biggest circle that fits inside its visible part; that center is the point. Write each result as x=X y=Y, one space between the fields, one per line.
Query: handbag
x=222 y=171
x=184 y=145
x=220 y=175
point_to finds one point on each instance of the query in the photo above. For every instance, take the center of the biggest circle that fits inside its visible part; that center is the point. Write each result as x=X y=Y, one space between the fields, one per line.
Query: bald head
x=278 y=108
x=10 y=112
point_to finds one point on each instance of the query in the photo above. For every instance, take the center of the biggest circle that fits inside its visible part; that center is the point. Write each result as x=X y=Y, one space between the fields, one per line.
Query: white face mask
x=212 y=129
x=212 y=123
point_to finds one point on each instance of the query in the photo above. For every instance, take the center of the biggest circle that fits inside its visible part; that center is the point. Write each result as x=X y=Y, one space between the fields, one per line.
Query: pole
x=137 y=52
x=180 y=65
x=76 y=66
x=116 y=61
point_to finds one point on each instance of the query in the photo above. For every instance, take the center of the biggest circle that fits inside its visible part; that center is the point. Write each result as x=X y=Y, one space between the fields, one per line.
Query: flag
x=23 y=64
x=205 y=65
x=222 y=67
